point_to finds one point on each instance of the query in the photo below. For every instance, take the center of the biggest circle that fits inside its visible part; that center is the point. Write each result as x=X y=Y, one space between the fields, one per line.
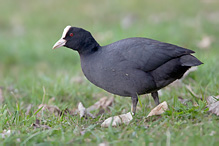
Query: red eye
x=71 y=34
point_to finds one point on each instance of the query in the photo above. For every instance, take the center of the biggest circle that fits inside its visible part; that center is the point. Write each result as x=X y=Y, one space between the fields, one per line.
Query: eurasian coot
x=129 y=67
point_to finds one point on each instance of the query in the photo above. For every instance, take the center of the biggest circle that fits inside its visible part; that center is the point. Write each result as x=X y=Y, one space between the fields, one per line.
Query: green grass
x=32 y=73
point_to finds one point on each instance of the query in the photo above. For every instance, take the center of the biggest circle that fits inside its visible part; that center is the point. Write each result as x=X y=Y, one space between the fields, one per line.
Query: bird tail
x=189 y=60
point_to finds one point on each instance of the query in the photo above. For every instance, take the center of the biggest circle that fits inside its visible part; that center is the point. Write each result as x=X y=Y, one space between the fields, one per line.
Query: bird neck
x=89 y=46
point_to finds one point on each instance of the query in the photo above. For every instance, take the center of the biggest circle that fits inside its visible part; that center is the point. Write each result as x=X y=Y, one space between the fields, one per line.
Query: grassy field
x=31 y=73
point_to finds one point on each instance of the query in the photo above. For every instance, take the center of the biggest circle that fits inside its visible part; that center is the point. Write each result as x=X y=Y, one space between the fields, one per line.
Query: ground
x=31 y=73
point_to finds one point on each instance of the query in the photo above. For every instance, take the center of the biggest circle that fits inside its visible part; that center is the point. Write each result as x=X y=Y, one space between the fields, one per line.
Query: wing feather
x=147 y=54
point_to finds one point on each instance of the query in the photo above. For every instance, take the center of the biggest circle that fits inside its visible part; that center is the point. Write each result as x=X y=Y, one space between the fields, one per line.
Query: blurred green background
x=36 y=73
x=29 y=29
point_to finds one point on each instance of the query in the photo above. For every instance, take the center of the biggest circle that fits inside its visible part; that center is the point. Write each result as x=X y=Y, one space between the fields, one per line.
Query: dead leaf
x=81 y=109
x=117 y=120
x=91 y=115
x=1 y=96
x=103 y=103
x=47 y=110
x=213 y=104
x=184 y=101
x=191 y=91
x=38 y=125
x=214 y=108
x=73 y=112
x=158 y=110
x=101 y=112
x=212 y=99
x=28 y=109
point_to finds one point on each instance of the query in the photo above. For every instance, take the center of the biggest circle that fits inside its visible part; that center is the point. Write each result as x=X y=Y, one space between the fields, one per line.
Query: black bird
x=129 y=67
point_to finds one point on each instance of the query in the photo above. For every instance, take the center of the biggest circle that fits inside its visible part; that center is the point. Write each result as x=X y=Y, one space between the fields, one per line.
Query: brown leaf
x=47 y=110
x=158 y=110
x=37 y=125
x=81 y=109
x=28 y=109
x=214 y=108
x=91 y=115
x=103 y=103
x=192 y=92
x=117 y=120
x=73 y=112
x=184 y=101
x=41 y=126
x=212 y=99
x=213 y=104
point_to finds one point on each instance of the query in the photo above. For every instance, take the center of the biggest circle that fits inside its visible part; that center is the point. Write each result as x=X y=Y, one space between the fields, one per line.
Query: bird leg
x=155 y=96
x=134 y=104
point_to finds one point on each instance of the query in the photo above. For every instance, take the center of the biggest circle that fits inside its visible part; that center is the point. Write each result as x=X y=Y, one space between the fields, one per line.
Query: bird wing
x=147 y=54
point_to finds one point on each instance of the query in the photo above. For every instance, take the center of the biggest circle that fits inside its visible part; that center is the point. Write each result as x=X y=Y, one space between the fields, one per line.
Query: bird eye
x=71 y=34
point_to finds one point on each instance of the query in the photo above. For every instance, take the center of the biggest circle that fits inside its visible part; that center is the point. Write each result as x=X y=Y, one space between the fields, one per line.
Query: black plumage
x=129 y=67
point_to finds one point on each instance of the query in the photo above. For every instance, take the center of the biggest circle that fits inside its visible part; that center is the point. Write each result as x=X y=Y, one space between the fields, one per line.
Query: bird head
x=76 y=38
